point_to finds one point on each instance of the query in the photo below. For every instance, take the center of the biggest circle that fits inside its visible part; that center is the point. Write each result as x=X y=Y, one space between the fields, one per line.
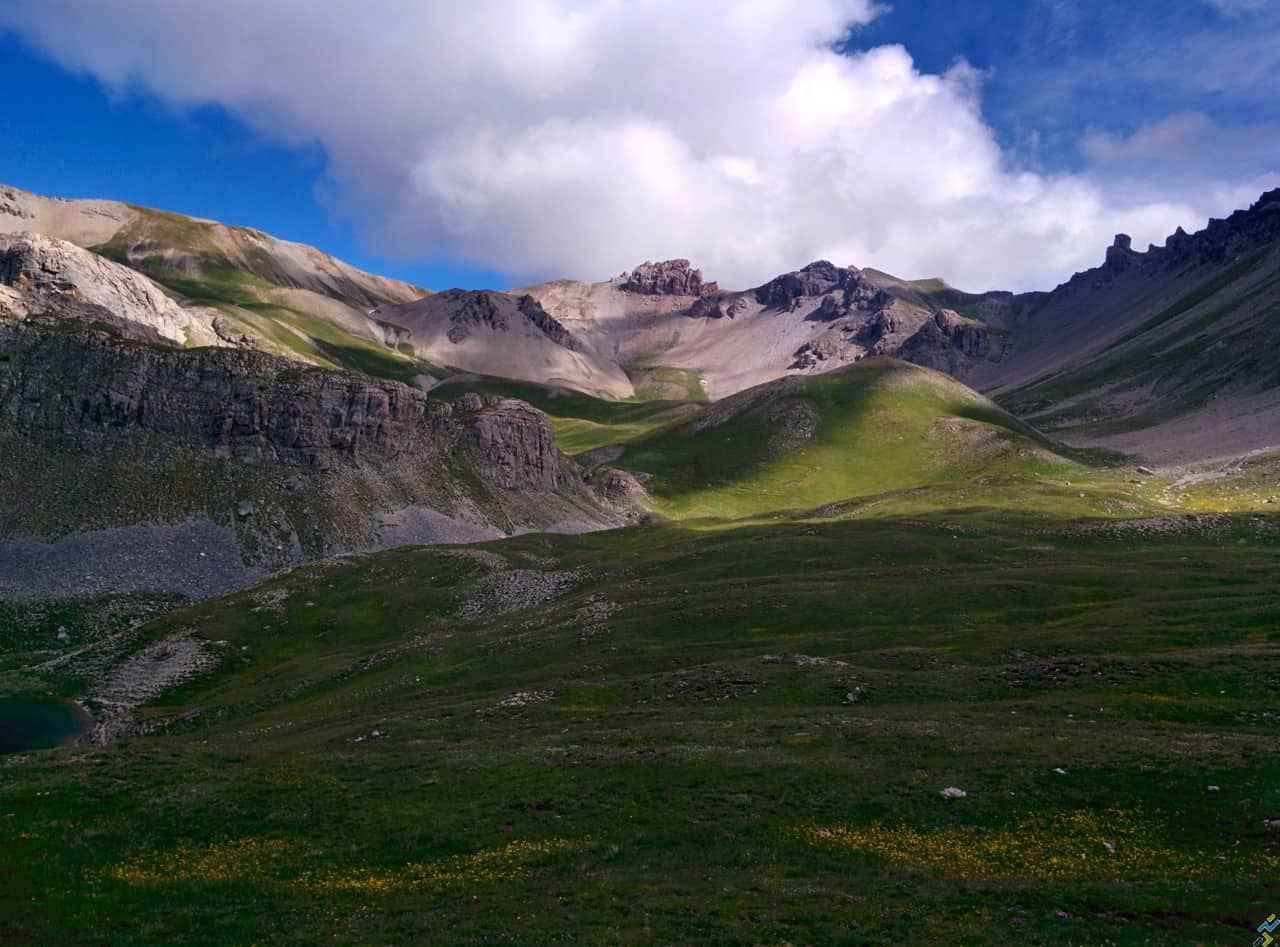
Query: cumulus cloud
x=579 y=137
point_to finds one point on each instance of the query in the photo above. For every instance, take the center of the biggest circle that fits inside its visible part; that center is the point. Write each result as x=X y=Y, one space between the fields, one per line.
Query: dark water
x=37 y=723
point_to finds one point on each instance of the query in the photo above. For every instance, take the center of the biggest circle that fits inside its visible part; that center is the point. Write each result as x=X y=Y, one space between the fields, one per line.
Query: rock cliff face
x=259 y=410
x=42 y=274
x=1157 y=353
x=669 y=278
x=289 y=462
x=512 y=444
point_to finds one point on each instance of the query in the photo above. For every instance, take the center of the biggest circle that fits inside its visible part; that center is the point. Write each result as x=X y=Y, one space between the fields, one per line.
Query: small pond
x=35 y=723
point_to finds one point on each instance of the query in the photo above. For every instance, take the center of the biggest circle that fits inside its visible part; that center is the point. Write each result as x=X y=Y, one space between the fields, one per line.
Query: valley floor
x=967 y=726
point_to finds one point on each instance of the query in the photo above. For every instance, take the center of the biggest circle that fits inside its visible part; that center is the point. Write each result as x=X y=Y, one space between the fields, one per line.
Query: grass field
x=735 y=735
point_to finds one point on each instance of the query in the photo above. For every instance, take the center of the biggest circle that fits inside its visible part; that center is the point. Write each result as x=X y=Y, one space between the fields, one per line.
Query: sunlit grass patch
x=265 y=860
x=485 y=867
x=1064 y=847
x=249 y=859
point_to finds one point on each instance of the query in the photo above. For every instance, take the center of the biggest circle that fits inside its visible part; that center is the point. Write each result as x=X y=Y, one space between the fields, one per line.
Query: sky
x=503 y=142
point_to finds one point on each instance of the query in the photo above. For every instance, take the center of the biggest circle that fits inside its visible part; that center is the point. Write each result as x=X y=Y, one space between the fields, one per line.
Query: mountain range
x=1145 y=319
x=636 y=611
x=194 y=390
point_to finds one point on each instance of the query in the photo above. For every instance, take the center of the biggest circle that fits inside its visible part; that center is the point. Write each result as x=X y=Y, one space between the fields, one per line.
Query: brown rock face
x=476 y=309
x=670 y=278
x=546 y=323
x=260 y=410
x=706 y=308
x=512 y=444
x=851 y=289
x=621 y=488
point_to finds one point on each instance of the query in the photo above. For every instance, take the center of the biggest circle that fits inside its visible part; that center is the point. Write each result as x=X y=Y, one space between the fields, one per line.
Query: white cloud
x=1237 y=7
x=579 y=137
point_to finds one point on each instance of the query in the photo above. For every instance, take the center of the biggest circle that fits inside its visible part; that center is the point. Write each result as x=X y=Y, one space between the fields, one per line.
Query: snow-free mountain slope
x=1170 y=353
x=503 y=335
x=273 y=295
x=813 y=320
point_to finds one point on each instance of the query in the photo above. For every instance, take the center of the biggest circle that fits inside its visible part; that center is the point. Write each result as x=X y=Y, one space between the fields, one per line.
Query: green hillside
x=582 y=422
x=880 y=425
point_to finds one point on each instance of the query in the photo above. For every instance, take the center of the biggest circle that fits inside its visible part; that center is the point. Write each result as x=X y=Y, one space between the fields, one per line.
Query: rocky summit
x=669 y=278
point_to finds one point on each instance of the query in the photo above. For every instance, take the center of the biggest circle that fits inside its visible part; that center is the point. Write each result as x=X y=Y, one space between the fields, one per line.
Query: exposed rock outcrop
x=290 y=462
x=512 y=444
x=669 y=278
x=850 y=289
x=46 y=274
x=469 y=310
x=257 y=409
x=504 y=335
x=707 y=307
x=473 y=310
x=549 y=327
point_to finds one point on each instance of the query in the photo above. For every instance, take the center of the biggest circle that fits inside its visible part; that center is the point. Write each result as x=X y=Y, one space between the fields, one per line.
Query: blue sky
x=79 y=139
x=1056 y=68
x=1137 y=114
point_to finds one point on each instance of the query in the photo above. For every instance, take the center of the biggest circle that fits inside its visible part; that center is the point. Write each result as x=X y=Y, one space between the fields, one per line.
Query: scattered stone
x=801 y=660
x=514 y=590
x=953 y=792
x=525 y=698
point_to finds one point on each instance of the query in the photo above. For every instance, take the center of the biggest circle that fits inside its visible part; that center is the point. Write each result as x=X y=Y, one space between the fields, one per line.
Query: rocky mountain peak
x=820 y=279
x=1222 y=241
x=1120 y=255
x=668 y=278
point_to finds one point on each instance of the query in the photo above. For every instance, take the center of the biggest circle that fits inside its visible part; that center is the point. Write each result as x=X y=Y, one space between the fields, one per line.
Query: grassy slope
x=878 y=429
x=582 y=422
x=691 y=778
x=935 y=291
x=245 y=295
